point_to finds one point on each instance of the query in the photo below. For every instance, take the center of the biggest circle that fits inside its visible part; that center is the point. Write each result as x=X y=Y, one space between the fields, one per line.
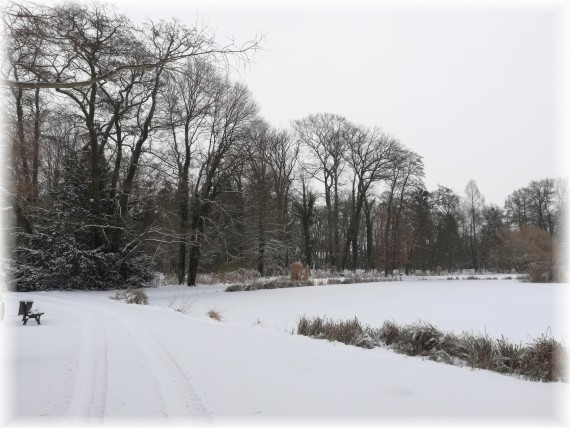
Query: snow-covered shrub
x=479 y=351
x=507 y=356
x=544 y=359
x=71 y=248
x=389 y=333
x=418 y=339
x=239 y=275
x=365 y=340
x=59 y=262
x=348 y=332
x=269 y=285
x=277 y=283
x=539 y=274
x=133 y=296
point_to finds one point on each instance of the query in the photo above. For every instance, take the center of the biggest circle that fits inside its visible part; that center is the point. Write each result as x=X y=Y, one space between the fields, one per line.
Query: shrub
x=239 y=275
x=389 y=333
x=507 y=356
x=269 y=285
x=538 y=273
x=479 y=351
x=48 y=262
x=543 y=359
x=418 y=339
x=215 y=315
x=347 y=332
x=136 y=296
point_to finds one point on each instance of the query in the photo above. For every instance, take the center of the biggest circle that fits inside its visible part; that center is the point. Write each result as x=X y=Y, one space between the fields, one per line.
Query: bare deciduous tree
x=322 y=134
x=232 y=110
x=371 y=155
x=473 y=206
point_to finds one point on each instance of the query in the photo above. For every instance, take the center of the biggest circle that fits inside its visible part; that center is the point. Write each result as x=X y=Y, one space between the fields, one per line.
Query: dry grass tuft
x=181 y=304
x=348 y=332
x=544 y=359
x=269 y=285
x=389 y=333
x=215 y=315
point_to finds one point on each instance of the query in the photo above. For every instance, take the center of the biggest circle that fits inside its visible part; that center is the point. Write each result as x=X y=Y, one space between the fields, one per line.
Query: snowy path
x=97 y=360
x=117 y=366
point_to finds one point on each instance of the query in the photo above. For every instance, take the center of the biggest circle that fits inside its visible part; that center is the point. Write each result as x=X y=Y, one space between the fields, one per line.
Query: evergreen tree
x=61 y=253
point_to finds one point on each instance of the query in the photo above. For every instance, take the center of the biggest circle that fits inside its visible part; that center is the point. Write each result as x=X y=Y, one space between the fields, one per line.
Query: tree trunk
x=181 y=265
x=199 y=211
x=387 y=265
x=261 y=254
x=21 y=220
x=183 y=212
x=330 y=229
x=36 y=146
x=336 y=246
x=195 y=252
x=369 y=235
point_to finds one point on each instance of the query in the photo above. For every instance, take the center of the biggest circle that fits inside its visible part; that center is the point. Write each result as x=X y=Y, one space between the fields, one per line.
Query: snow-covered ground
x=96 y=360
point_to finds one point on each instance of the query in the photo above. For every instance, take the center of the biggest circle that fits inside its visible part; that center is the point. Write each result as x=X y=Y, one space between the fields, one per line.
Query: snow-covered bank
x=101 y=360
x=517 y=310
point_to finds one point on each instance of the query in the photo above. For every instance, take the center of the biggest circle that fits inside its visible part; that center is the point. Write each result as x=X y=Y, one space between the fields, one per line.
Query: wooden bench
x=25 y=311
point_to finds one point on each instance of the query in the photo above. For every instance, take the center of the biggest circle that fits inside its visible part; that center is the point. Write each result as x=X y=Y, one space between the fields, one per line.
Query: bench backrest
x=25 y=307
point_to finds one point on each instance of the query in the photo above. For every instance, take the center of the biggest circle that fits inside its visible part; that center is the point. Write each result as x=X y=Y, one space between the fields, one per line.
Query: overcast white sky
x=477 y=89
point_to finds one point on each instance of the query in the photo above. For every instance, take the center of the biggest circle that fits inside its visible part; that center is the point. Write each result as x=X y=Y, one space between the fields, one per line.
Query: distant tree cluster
x=132 y=152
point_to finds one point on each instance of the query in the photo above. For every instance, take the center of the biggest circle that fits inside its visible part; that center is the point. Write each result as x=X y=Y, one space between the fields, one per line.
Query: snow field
x=98 y=360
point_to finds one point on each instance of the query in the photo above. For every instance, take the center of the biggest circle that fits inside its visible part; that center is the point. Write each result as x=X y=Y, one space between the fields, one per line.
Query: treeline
x=133 y=151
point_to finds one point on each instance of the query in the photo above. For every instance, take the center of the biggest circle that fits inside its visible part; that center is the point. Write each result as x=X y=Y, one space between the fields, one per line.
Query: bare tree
x=322 y=135
x=84 y=52
x=532 y=250
x=187 y=100
x=406 y=174
x=541 y=193
x=305 y=210
x=283 y=157
x=541 y=203
x=38 y=26
x=371 y=155
x=260 y=181
x=232 y=111
x=473 y=206
x=517 y=206
x=410 y=179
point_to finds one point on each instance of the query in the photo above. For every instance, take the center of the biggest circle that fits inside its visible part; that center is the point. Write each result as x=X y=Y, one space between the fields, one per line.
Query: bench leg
x=26 y=321
x=38 y=319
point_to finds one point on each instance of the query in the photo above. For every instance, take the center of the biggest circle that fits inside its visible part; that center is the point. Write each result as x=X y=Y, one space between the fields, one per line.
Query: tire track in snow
x=176 y=389
x=87 y=393
x=90 y=390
